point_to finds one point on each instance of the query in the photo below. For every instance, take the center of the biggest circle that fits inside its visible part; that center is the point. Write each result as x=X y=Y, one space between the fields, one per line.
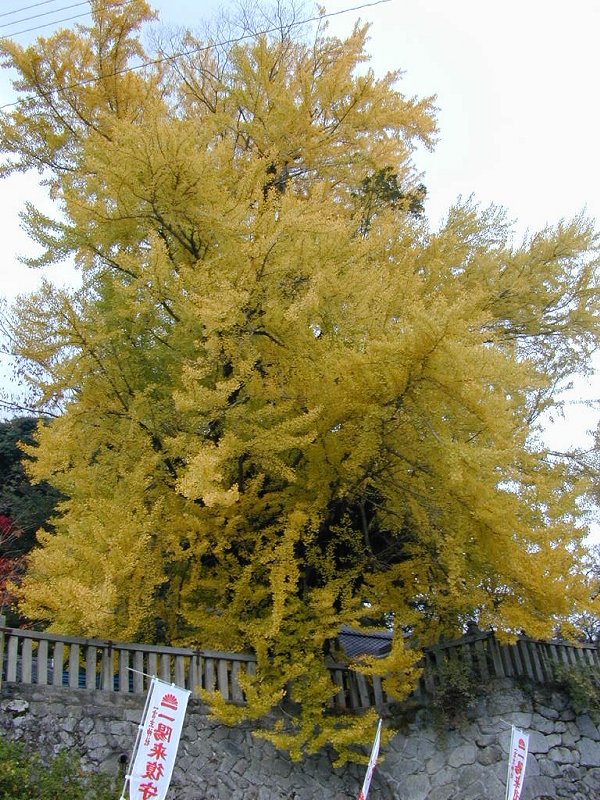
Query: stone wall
x=421 y=762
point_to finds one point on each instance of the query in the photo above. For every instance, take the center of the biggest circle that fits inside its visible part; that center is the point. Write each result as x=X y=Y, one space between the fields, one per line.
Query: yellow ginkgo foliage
x=283 y=403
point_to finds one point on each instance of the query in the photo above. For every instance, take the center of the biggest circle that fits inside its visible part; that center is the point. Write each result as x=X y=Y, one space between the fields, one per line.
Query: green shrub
x=455 y=689
x=581 y=684
x=24 y=776
x=14 y=773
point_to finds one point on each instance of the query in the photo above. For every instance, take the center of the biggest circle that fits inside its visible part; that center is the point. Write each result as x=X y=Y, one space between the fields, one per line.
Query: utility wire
x=47 y=25
x=26 y=8
x=44 y=14
x=193 y=51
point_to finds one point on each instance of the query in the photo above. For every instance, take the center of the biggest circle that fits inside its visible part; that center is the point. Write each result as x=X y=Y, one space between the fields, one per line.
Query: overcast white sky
x=517 y=92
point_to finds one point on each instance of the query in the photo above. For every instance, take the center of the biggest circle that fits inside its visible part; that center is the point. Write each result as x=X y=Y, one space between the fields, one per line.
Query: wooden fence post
x=2 y=626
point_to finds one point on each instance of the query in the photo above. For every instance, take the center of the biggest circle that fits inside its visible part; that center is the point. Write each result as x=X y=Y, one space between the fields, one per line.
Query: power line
x=11 y=34
x=46 y=25
x=195 y=50
x=27 y=8
x=44 y=14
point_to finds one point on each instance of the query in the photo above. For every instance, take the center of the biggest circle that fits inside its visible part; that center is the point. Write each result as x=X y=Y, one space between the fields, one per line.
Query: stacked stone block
x=425 y=761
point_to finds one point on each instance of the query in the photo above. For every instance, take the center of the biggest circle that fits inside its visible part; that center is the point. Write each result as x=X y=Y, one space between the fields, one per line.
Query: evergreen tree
x=28 y=506
x=24 y=508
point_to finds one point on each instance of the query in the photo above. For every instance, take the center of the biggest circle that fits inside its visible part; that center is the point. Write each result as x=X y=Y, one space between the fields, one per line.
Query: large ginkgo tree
x=283 y=403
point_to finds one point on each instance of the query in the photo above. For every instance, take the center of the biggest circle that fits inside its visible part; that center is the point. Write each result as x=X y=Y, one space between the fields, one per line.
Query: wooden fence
x=531 y=659
x=51 y=660
x=44 y=659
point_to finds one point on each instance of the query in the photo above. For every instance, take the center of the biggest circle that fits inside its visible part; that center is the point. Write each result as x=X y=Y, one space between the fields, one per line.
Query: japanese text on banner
x=154 y=760
x=517 y=760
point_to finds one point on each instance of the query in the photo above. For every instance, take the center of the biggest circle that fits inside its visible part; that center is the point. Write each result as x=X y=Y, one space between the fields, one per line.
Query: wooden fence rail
x=532 y=659
x=52 y=660
x=46 y=659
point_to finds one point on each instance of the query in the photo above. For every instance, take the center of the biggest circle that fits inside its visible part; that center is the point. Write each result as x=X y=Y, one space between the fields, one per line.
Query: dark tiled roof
x=364 y=643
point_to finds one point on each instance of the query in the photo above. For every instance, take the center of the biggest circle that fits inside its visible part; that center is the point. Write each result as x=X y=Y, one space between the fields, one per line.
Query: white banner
x=158 y=741
x=517 y=760
x=372 y=762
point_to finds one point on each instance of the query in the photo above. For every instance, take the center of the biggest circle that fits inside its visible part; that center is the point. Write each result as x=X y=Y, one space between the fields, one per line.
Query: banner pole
x=372 y=762
x=138 y=737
